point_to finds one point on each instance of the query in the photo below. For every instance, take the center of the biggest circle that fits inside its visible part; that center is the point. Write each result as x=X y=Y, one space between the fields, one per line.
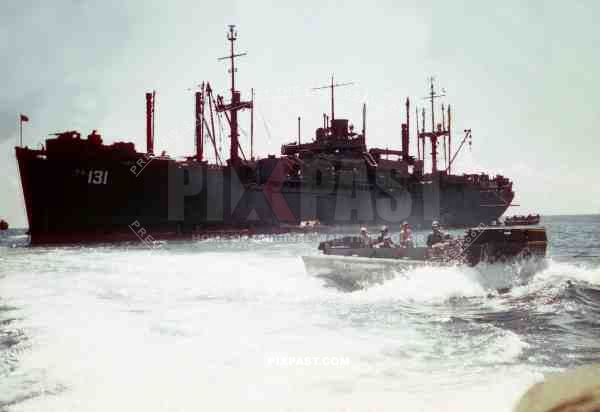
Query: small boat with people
x=358 y=255
x=522 y=220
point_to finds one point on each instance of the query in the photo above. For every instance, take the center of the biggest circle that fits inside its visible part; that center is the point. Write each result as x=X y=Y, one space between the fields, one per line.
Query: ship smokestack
x=150 y=122
x=200 y=124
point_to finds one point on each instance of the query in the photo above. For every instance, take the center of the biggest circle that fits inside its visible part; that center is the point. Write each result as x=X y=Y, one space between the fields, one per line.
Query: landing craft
x=522 y=220
x=352 y=261
x=82 y=189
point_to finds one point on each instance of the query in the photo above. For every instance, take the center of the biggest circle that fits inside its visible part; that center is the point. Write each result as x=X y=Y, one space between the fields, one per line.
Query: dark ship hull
x=79 y=190
x=65 y=205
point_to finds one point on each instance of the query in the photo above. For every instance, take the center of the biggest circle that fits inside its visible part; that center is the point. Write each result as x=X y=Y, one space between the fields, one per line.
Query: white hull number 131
x=97 y=177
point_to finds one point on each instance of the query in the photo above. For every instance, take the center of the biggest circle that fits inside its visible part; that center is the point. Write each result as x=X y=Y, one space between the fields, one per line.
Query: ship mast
x=235 y=104
x=199 y=114
x=436 y=132
x=364 y=123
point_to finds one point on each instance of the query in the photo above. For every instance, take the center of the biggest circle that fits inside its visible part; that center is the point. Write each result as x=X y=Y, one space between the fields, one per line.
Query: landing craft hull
x=78 y=200
x=357 y=270
x=352 y=273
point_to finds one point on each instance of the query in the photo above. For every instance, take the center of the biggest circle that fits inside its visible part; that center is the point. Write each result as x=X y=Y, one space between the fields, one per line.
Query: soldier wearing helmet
x=364 y=236
x=436 y=236
x=385 y=238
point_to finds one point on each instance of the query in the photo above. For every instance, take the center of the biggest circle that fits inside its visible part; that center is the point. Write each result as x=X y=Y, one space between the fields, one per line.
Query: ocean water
x=239 y=325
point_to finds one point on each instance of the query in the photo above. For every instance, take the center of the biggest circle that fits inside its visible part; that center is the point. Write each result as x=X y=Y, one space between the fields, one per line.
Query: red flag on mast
x=24 y=118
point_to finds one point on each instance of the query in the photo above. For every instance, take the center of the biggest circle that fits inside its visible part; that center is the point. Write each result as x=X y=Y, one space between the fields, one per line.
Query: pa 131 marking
x=94 y=177
x=97 y=177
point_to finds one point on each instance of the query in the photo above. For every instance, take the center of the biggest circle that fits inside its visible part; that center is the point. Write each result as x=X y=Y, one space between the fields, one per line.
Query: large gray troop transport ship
x=80 y=189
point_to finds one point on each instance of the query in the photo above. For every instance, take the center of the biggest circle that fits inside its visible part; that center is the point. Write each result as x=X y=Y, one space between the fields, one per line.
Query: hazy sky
x=521 y=75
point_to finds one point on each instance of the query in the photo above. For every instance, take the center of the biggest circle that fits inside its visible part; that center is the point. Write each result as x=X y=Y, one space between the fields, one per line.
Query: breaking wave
x=193 y=324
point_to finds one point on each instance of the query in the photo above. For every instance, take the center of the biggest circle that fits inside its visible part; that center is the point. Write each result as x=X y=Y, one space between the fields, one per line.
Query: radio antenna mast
x=332 y=86
x=434 y=134
x=235 y=104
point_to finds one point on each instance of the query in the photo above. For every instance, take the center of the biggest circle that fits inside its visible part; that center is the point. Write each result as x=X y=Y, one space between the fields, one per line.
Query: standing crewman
x=406 y=239
x=364 y=236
